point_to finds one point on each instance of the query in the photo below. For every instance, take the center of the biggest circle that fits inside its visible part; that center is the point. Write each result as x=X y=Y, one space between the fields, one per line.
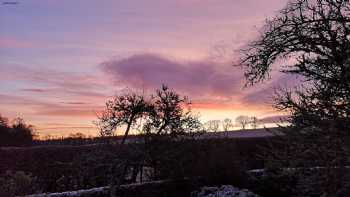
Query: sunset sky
x=61 y=60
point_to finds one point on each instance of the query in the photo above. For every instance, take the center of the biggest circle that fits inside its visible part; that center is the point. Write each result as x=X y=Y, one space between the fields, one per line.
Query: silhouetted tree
x=22 y=132
x=243 y=121
x=227 y=124
x=212 y=125
x=171 y=114
x=313 y=37
x=5 y=135
x=123 y=110
x=3 y=121
x=254 y=122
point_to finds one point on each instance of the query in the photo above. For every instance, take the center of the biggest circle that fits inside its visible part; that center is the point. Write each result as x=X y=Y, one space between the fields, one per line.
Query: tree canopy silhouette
x=312 y=38
x=170 y=113
x=227 y=124
x=212 y=125
x=166 y=112
x=243 y=121
x=124 y=109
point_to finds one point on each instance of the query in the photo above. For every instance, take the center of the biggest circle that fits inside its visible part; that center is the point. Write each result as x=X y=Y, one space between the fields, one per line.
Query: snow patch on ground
x=223 y=191
x=96 y=192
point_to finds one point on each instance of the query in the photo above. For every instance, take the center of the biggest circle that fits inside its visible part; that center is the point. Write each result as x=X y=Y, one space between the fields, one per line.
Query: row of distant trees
x=227 y=124
x=15 y=132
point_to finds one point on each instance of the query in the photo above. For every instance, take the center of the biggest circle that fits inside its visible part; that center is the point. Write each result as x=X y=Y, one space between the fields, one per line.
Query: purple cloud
x=35 y=90
x=265 y=93
x=197 y=78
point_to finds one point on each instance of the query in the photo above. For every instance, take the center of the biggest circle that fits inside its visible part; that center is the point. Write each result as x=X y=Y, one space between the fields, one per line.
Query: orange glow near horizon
x=78 y=123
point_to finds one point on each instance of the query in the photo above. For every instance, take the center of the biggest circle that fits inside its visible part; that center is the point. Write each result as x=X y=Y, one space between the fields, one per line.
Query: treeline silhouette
x=77 y=139
x=16 y=133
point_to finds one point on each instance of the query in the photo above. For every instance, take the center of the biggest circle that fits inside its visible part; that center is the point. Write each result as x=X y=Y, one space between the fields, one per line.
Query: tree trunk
x=127 y=130
x=162 y=127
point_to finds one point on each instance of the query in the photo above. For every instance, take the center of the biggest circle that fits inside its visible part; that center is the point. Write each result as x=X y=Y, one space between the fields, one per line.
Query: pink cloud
x=52 y=82
x=47 y=108
x=8 y=42
x=83 y=112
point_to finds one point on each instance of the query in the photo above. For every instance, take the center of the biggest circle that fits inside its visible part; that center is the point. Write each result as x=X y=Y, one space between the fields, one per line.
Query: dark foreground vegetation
x=66 y=168
x=59 y=168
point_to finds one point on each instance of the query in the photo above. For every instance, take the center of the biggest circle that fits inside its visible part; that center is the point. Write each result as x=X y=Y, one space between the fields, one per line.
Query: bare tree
x=243 y=121
x=254 y=122
x=123 y=110
x=315 y=34
x=227 y=124
x=3 y=121
x=212 y=125
x=170 y=113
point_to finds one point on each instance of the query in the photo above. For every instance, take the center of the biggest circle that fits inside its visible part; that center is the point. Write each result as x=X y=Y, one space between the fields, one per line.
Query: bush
x=17 y=183
x=273 y=182
x=214 y=162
